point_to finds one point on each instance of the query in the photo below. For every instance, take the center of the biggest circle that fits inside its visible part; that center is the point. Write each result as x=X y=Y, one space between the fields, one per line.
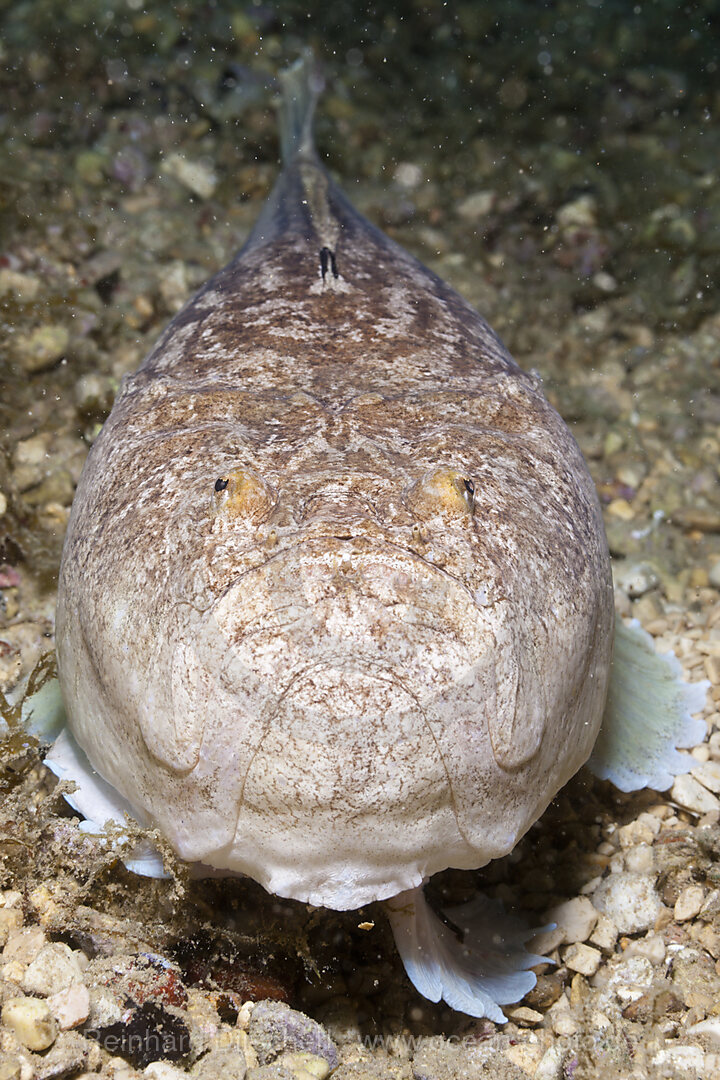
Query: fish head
x=364 y=686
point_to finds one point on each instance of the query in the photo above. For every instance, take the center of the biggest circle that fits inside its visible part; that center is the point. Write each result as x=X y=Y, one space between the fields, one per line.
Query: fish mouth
x=345 y=557
x=339 y=591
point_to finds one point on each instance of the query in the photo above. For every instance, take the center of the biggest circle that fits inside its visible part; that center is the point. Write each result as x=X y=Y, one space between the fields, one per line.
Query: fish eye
x=443 y=492
x=247 y=496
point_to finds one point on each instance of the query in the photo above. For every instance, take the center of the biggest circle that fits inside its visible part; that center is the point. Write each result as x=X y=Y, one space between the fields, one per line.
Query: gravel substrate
x=559 y=168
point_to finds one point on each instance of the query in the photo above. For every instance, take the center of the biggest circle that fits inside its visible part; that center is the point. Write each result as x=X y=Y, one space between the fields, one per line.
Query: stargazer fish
x=335 y=606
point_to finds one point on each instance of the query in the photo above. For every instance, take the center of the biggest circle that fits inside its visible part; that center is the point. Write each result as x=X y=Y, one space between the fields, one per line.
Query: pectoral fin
x=649 y=714
x=477 y=965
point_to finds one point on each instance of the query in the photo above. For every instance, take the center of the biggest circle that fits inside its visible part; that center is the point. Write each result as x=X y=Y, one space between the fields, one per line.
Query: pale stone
x=637 y=832
x=651 y=947
x=565 y=1024
x=54 y=969
x=561 y=1018
x=194 y=175
x=71 y=1006
x=31 y=1021
x=525 y=1016
x=685 y=1059
x=580 y=213
x=525 y=1056
x=690 y=793
x=605 y=934
x=42 y=348
x=708 y=773
x=640 y=859
x=162 y=1070
x=710 y=1028
x=576 y=918
x=651 y=820
x=582 y=958
x=11 y=898
x=634 y=577
x=10 y=1067
x=689 y=903
x=219 y=1064
x=550 y=1066
x=10 y=919
x=629 y=900
x=630 y=978
x=476 y=206
x=546 y=941
x=600 y=1020
x=304 y=1065
x=23 y=286
x=24 y=945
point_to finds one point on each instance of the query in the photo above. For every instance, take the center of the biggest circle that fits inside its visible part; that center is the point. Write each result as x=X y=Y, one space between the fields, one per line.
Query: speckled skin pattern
x=288 y=631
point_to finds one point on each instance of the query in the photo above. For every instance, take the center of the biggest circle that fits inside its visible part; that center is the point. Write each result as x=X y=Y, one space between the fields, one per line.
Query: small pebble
x=631 y=977
x=525 y=1017
x=551 y=1064
x=23 y=286
x=24 y=945
x=582 y=958
x=605 y=934
x=629 y=900
x=54 y=969
x=163 y=1070
x=681 y=1061
x=576 y=918
x=223 y=1064
x=476 y=206
x=10 y=1067
x=71 y=1006
x=639 y=859
x=10 y=919
x=194 y=175
x=621 y=508
x=690 y=793
x=710 y=1028
x=651 y=947
x=580 y=213
x=31 y=1021
x=42 y=348
x=689 y=903
x=708 y=773
x=637 y=832
x=634 y=577
x=561 y=1018
x=525 y=1055
x=275 y=1027
x=304 y=1066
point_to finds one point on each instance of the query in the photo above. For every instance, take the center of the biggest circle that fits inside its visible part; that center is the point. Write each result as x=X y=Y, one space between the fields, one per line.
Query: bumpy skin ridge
x=334 y=684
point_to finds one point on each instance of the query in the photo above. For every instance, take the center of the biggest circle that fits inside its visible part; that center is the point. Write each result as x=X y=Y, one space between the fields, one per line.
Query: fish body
x=335 y=605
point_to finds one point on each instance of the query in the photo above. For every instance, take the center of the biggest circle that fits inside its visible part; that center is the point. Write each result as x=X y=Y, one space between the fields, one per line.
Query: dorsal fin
x=301 y=86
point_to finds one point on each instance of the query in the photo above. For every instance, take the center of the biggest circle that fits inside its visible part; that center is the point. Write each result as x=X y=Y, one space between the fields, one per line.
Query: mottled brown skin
x=324 y=406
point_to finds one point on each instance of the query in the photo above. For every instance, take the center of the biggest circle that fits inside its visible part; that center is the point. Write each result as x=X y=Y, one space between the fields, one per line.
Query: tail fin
x=301 y=87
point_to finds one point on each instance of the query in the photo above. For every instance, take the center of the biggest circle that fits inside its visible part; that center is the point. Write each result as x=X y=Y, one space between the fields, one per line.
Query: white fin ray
x=648 y=715
x=100 y=804
x=475 y=975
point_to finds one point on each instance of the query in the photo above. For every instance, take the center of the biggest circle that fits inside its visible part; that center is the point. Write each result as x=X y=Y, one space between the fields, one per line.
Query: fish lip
x=372 y=545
